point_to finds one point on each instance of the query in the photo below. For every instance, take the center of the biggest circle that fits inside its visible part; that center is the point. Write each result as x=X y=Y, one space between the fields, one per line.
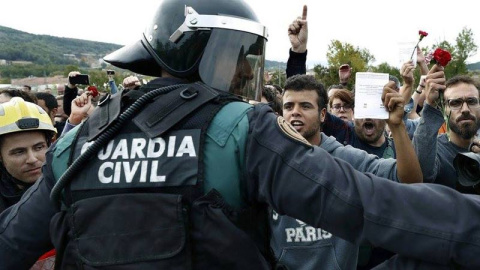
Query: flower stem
x=414 y=49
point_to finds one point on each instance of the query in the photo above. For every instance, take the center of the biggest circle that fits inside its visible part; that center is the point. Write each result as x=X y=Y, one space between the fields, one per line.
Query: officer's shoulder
x=232 y=113
x=65 y=140
x=232 y=116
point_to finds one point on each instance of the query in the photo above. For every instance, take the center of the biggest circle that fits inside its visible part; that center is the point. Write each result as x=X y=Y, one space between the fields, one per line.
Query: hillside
x=49 y=50
x=474 y=66
x=43 y=49
x=275 y=65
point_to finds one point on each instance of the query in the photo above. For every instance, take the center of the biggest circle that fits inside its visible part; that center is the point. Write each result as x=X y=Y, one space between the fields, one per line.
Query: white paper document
x=407 y=51
x=368 y=95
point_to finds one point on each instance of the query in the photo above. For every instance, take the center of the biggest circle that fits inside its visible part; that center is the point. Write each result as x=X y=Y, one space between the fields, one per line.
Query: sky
x=376 y=25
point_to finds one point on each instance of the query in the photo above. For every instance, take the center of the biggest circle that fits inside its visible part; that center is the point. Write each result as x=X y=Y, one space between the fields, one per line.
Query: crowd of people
x=185 y=173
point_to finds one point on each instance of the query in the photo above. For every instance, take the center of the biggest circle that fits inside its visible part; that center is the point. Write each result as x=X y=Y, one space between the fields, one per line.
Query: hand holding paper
x=368 y=95
x=394 y=103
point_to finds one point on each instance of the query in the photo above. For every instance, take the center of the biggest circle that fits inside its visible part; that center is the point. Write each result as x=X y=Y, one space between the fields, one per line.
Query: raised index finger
x=304 y=14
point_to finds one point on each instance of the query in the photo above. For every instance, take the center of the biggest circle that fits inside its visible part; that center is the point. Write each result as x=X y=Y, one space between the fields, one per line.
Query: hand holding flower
x=434 y=84
x=441 y=57
x=92 y=91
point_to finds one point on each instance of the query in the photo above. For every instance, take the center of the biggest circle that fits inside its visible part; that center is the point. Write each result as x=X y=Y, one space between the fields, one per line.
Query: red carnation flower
x=422 y=34
x=93 y=91
x=441 y=57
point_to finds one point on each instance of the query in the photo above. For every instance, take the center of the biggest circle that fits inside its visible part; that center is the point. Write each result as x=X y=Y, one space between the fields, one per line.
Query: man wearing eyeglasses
x=461 y=111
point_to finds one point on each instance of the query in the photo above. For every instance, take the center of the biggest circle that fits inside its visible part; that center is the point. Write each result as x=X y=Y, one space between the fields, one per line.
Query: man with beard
x=370 y=136
x=304 y=107
x=366 y=134
x=462 y=111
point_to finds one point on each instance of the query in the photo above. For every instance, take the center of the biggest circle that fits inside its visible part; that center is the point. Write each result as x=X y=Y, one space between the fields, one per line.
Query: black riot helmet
x=219 y=42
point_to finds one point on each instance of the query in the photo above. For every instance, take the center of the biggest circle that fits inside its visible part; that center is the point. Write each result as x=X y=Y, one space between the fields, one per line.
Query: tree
x=343 y=53
x=98 y=78
x=279 y=77
x=386 y=68
x=69 y=69
x=326 y=75
x=464 y=48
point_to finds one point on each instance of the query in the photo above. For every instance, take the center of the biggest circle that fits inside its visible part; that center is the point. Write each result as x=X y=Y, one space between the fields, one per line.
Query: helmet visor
x=233 y=61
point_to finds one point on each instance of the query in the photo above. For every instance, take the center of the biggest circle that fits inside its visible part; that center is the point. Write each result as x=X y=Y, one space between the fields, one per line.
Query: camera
x=79 y=79
x=467 y=166
x=110 y=72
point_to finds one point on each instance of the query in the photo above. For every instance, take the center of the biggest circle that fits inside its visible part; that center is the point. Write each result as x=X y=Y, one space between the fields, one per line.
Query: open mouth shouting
x=297 y=125
x=369 y=128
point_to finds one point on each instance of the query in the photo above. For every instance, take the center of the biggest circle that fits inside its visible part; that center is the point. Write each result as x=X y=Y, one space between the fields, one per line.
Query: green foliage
x=454 y=67
x=44 y=49
x=279 y=77
x=463 y=48
x=98 y=78
x=466 y=46
x=47 y=53
x=69 y=69
x=326 y=75
x=35 y=70
x=339 y=53
x=274 y=65
x=343 y=53
x=386 y=68
x=360 y=60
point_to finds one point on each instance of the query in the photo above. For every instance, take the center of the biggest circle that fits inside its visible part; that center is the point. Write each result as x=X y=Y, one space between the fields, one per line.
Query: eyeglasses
x=345 y=107
x=457 y=103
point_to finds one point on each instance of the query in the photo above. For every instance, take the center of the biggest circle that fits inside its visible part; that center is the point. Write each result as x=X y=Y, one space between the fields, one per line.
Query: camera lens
x=471 y=170
x=467 y=166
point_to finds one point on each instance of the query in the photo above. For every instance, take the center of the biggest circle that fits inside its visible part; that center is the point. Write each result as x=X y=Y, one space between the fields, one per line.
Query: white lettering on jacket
x=121 y=157
x=305 y=233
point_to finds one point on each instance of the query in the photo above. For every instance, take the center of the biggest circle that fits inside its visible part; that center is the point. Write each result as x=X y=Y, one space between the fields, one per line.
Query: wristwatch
x=421 y=87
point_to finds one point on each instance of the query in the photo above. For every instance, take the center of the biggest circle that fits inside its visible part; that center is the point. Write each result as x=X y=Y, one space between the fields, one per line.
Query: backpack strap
x=104 y=115
x=169 y=109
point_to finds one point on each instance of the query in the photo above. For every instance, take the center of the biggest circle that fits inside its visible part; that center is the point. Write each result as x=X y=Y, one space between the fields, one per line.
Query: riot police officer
x=180 y=176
